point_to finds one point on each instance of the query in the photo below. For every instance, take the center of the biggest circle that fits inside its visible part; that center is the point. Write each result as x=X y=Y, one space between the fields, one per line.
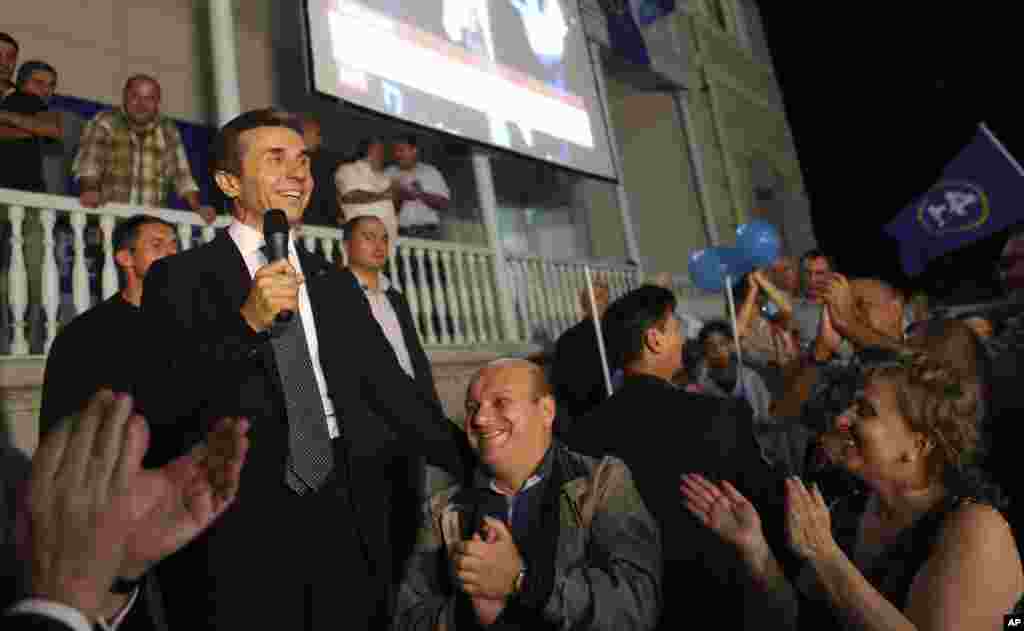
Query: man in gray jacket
x=543 y=538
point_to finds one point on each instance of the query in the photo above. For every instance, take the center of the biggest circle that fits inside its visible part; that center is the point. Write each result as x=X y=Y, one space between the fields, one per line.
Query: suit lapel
x=229 y=270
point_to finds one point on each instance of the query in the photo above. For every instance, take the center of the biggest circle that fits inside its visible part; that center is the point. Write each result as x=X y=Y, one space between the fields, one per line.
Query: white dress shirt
x=414 y=212
x=360 y=176
x=384 y=312
x=249 y=241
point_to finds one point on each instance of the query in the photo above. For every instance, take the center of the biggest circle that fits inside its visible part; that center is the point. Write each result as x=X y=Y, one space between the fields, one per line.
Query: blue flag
x=980 y=193
x=625 y=17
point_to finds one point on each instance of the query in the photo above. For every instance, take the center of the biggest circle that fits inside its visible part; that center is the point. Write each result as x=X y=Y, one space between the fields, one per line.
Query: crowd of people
x=258 y=439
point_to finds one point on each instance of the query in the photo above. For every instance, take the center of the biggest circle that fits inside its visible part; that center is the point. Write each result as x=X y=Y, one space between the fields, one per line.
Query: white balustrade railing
x=450 y=287
x=546 y=292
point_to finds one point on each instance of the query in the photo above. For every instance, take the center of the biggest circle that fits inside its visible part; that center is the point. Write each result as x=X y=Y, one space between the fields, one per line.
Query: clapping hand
x=93 y=514
x=724 y=510
x=808 y=522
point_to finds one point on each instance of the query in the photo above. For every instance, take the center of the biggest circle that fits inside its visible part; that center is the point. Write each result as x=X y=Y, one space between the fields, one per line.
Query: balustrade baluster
x=309 y=241
x=453 y=300
x=411 y=295
x=50 y=277
x=478 y=298
x=79 y=272
x=522 y=296
x=534 y=291
x=466 y=288
x=327 y=244
x=17 y=282
x=108 y=281
x=209 y=232
x=426 y=304
x=548 y=295
x=440 y=304
x=485 y=283
x=185 y=236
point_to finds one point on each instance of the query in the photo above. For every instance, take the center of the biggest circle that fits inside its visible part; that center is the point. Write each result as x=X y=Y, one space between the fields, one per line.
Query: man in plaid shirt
x=133 y=155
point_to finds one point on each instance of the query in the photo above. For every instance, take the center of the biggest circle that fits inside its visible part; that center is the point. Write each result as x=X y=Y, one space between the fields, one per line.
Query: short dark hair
x=7 y=39
x=126 y=233
x=629 y=318
x=816 y=253
x=720 y=327
x=26 y=69
x=363 y=148
x=406 y=139
x=140 y=77
x=226 y=149
x=349 y=227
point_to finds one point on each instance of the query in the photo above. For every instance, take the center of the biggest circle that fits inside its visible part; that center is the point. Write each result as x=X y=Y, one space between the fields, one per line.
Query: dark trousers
x=292 y=562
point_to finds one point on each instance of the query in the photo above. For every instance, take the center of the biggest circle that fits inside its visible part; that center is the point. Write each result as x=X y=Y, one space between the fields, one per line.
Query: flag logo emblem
x=953 y=206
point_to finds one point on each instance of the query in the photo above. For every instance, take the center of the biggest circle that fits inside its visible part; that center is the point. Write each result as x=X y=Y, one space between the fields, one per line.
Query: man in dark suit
x=367 y=244
x=682 y=432
x=333 y=416
x=94 y=515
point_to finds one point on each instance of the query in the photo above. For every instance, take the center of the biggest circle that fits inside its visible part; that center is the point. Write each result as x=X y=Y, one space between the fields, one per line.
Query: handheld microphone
x=275 y=233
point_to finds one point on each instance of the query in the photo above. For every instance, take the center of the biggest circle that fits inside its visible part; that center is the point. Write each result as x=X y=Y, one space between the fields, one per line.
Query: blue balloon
x=759 y=241
x=705 y=269
x=710 y=267
x=734 y=262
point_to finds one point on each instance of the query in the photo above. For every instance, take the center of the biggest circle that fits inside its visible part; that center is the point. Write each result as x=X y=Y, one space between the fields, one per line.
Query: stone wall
x=21 y=384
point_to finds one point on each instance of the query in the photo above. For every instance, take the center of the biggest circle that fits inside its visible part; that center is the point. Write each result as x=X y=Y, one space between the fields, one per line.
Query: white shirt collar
x=383 y=283
x=250 y=240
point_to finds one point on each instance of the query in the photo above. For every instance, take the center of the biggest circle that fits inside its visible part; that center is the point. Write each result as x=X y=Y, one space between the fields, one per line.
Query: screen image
x=515 y=74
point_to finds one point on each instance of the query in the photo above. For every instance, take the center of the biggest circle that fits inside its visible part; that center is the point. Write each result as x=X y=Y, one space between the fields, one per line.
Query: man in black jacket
x=333 y=416
x=367 y=244
x=101 y=347
x=661 y=432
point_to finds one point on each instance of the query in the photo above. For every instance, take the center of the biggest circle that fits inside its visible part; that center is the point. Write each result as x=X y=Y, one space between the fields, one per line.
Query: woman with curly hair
x=925 y=548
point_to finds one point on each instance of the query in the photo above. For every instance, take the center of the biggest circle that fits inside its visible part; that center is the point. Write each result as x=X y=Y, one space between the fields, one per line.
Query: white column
x=411 y=294
x=682 y=99
x=489 y=209
x=224 y=49
x=17 y=282
x=620 y=190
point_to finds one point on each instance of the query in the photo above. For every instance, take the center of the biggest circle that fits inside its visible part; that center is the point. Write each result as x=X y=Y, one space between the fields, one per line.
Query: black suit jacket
x=209 y=364
x=32 y=622
x=661 y=432
x=420 y=363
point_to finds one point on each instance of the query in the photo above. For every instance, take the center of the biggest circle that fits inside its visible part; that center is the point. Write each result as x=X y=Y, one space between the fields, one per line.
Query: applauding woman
x=926 y=548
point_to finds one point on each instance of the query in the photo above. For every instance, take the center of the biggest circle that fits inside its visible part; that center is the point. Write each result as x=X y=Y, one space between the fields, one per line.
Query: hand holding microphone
x=275 y=288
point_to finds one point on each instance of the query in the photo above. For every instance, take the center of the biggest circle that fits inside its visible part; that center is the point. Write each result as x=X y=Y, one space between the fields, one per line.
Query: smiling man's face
x=274 y=174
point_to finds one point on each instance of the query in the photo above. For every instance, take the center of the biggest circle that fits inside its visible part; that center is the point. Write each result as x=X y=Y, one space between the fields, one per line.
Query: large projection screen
x=515 y=74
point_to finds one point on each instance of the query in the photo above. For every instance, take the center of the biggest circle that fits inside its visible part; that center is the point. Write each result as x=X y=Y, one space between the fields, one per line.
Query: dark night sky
x=879 y=100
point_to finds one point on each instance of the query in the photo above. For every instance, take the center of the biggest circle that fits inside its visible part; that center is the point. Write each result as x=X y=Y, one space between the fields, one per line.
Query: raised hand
x=78 y=508
x=176 y=502
x=808 y=523
x=93 y=514
x=724 y=510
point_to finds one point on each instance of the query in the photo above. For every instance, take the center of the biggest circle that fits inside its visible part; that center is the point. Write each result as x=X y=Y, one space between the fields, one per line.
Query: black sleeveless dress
x=893 y=570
